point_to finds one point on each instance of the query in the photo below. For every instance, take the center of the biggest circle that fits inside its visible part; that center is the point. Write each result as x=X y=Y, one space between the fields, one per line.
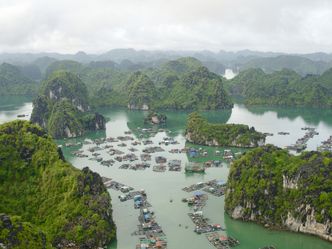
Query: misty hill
x=181 y=84
x=199 y=89
x=186 y=84
x=43 y=62
x=14 y=82
x=141 y=92
x=283 y=87
x=31 y=71
x=301 y=65
x=244 y=59
x=65 y=65
x=107 y=81
x=167 y=72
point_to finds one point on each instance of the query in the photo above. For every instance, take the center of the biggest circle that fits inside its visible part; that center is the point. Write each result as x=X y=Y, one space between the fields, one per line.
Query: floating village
x=127 y=153
x=301 y=143
x=139 y=153
x=149 y=232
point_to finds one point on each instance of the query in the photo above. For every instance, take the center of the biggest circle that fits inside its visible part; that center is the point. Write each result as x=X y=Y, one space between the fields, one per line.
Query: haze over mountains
x=313 y=63
x=148 y=55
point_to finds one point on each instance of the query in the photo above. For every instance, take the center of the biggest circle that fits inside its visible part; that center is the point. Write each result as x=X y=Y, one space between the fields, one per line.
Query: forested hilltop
x=180 y=84
x=14 y=82
x=283 y=87
x=45 y=201
x=272 y=187
x=200 y=131
x=62 y=107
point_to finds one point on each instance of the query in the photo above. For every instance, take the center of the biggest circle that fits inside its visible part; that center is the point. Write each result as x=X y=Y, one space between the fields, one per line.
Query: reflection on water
x=176 y=120
x=161 y=187
x=252 y=235
x=312 y=116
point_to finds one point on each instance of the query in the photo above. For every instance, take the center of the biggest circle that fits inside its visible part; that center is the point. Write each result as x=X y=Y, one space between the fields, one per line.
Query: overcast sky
x=97 y=26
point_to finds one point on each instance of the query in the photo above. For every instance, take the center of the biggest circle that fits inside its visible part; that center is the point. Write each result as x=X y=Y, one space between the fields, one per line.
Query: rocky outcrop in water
x=62 y=107
x=155 y=118
x=269 y=186
x=200 y=131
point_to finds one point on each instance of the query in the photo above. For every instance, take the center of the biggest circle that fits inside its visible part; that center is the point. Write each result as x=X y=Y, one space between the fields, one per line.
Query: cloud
x=101 y=25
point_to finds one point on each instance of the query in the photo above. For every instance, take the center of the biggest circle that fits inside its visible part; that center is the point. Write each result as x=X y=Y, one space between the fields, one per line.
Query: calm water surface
x=163 y=187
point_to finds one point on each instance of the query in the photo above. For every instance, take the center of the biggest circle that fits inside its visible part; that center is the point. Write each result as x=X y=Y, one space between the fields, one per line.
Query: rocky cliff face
x=97 y=122
x=12 y=230
x=67 y=86
x=271 y=187
x=40 y=111
x=46 y=202
x=309 y=225
x=90 y=184
x=62 y=107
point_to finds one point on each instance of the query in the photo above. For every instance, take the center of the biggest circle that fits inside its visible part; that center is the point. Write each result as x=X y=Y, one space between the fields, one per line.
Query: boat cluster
x=132 y=157
x=129 y=160
x=202 y=224
x=221 y=241
x=227 y=154
x=214 y=187
x=326 y=145
x=197 y=201
x=301 y=143
x=151 y=234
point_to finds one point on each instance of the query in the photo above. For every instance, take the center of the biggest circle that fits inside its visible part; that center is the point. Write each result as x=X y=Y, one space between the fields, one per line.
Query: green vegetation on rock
x=200 y=131
x=141 y=91
x=283 y=87
x=182 y=84
x=176 y=84
x=62 y=107
x=17 y=234
x=197 y=90
x=46 y=202
x=13 y=81
x=105 y=84
x=270 y=186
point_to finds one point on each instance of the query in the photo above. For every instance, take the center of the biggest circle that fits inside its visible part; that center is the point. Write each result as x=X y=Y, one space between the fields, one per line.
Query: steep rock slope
x=269 y=186
x=46 y=202
x=62 y=107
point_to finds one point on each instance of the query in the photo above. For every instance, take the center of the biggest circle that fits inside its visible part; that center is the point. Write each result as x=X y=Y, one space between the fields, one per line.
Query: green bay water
x=164 y=189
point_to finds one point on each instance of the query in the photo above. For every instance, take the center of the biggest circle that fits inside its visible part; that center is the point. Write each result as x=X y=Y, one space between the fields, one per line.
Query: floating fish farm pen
x=193 y=167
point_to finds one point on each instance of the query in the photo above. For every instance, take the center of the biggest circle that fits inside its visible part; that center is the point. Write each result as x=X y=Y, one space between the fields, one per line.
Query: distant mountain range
x=314 y=63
